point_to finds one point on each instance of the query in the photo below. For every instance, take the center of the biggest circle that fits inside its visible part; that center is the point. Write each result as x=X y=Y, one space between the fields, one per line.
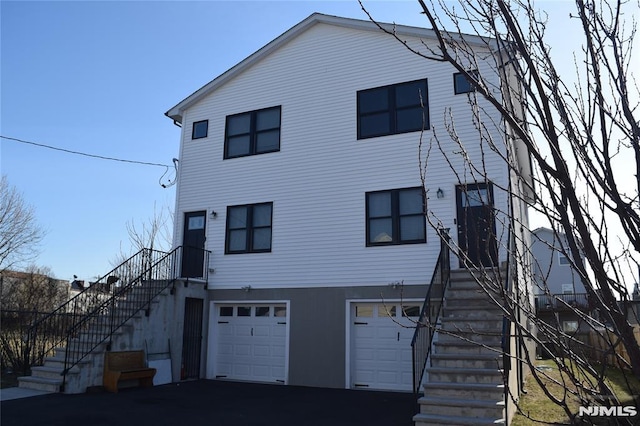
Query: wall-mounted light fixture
x=214 y=214
x=440 y=193
x=246 y=288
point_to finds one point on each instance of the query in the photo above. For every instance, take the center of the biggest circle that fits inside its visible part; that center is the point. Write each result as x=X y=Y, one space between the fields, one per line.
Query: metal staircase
x=62 y=344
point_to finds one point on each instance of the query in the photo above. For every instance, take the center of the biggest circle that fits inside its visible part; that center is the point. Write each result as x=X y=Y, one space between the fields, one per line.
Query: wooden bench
x=127 y=365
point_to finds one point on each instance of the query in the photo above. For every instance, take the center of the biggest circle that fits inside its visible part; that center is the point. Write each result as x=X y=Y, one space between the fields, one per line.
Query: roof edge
x=176 y=112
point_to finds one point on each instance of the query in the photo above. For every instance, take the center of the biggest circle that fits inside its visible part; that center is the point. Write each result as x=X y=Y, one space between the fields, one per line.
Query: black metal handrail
x=430 y=313
x=97 y=312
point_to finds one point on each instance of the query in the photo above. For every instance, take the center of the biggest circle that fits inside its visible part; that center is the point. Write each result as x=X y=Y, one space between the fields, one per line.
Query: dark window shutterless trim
x=246 y=229
x=404 y=224
x=394 y=109
x=200 y=129
x=461 y=84
x=252 y=132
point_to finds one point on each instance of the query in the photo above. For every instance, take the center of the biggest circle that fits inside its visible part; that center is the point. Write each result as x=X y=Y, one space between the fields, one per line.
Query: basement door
x=249 y=342
x=381 y=335
x=191 y=338
x=476 y=224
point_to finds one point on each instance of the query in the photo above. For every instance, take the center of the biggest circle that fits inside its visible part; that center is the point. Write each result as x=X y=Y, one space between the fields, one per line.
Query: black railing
x=557 y=302
x=430 y=313
x=91 y=317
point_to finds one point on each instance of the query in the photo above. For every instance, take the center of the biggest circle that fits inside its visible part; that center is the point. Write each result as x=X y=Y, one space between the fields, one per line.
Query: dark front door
x=476 y=224
x=191 y=338
x=193 y=244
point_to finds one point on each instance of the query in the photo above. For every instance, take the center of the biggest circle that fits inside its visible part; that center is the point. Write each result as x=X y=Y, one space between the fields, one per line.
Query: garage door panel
x=387 y=332
x=381 y=350
x=252 y=346
x=388 y=355
x=261 y=350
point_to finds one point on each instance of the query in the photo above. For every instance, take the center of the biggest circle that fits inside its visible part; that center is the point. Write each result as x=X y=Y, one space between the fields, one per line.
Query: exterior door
x=381 y=334
x=476 y=224
x=193 y=240
x=192 y=338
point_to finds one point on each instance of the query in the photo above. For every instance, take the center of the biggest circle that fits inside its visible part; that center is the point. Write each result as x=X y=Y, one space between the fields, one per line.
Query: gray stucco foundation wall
x=317 y=317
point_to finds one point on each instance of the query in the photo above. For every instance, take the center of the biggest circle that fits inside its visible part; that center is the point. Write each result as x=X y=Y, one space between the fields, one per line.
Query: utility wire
x=84 y=153
x=101 y=157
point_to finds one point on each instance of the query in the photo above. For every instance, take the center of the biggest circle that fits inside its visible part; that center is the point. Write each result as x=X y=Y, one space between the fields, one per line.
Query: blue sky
x=97 y=77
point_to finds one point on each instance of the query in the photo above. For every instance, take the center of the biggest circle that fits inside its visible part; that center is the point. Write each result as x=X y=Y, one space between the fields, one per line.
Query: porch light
x=440 y=193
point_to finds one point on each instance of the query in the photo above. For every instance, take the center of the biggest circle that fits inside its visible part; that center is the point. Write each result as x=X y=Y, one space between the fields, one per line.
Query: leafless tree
x=33 y=289
x=19 y=232
x=25 y=296
x=154 y=233
x=582 y=134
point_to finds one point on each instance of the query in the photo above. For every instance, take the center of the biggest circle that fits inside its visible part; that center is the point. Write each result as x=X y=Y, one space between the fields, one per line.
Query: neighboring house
x=556 y=283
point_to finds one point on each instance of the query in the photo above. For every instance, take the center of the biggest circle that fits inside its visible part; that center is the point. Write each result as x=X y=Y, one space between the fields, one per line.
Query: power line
x=101 y=157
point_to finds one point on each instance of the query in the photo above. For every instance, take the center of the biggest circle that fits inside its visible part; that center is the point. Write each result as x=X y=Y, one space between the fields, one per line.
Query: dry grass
x=541 y=410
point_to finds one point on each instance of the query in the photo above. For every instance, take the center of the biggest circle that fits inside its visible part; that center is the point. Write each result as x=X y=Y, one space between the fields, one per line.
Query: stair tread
x=465 y=402
x=456 y=420
x=484 y=357
x=475 y=386
x=40 y=380
x=491 y=371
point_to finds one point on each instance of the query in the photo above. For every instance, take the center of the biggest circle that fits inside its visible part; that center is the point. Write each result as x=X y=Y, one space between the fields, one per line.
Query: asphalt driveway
x=214 y=403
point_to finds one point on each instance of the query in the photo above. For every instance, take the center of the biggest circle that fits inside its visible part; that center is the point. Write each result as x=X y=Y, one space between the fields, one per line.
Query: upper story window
x=395 y=217
x=251 y=133
x=389 y=110
x=461 y=84
x=563 y=260
x=249 y=228
x=200 y=129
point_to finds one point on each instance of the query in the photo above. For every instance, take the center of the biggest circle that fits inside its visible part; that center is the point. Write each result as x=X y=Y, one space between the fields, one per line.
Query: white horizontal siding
x=318 y=180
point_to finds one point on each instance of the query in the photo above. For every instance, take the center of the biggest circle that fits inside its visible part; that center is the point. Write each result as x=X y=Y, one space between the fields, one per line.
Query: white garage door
x=381 y=346
x=249 y=342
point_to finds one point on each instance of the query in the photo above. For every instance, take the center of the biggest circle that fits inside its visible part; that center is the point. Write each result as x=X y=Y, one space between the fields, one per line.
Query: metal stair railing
x=430 y=313
x=91 y=317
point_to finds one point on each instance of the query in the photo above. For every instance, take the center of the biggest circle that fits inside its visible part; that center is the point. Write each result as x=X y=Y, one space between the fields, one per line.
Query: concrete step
x=466 y=361
x=440 y=420
x=475 y=302
x=462 y=323
x=480 y=391
x=471 y=293
x=463 y=347
x=470 y=311
x=490 y=338
x=40 y=383
x=49 y=372
x=460 y=407
x=465 y=375
x=58 y=362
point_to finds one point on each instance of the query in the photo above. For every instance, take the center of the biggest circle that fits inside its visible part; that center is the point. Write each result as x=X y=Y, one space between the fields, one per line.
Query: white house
x=299 y=171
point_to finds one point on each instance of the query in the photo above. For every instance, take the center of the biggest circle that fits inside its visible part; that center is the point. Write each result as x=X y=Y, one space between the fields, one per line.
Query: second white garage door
x=381 y=336
x=249 y=342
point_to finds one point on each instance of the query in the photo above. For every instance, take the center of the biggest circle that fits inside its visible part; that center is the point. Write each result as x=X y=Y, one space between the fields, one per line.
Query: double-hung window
x=253 y=132
x=389 y=110
x=395 y=217
x=249 y=228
